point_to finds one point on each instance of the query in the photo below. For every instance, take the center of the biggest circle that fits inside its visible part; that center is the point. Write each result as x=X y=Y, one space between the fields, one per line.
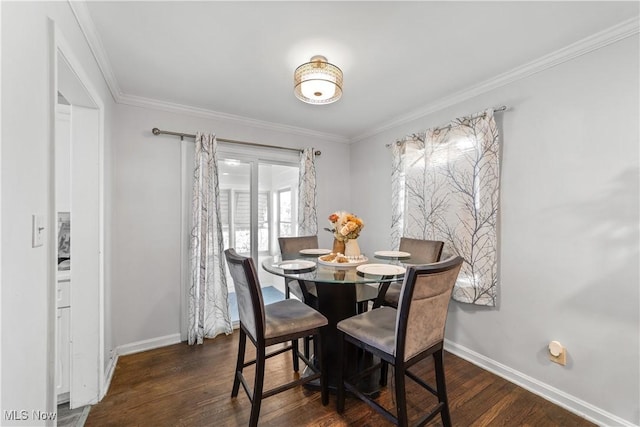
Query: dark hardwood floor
x=182 y=385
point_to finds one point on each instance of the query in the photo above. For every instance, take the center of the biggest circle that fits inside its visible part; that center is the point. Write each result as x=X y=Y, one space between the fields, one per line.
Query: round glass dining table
x=312 y=269
x=339 y=292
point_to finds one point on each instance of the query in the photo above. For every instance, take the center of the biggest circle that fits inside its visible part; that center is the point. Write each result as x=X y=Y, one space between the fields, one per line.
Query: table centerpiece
x=346 y=229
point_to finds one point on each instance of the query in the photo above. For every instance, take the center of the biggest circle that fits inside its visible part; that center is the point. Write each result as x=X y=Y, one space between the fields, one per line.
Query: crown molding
x=172 y=107
x=596 y=41
x=88 y=28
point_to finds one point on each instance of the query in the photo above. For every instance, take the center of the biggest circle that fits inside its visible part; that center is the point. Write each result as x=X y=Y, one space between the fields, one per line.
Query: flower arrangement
x=345 y=225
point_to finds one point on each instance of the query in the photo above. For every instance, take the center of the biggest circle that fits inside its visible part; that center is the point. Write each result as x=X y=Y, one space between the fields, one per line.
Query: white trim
x=108 y=375
x=550 y=393
x=150 y=344
x=172 y=107
x=88 y=28
x=1 y=258
x=596 y=41
x=52 y=318
x=581 y=47
x=61 y=46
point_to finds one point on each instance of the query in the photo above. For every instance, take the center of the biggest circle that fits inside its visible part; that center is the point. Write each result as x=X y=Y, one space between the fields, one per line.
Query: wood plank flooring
x=182 y=385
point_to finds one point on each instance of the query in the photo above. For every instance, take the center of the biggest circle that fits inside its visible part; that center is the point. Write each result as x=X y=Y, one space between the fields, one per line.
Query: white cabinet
x=63 y=336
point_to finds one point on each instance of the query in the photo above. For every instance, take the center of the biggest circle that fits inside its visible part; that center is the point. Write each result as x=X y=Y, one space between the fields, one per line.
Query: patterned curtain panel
x=307 y=212
x=208 y=295
x=398 y=190
x=446 y=187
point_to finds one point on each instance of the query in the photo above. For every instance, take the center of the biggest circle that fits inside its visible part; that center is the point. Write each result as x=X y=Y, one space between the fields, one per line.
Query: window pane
x=263 y=238
x=242 y=208
x=286 y=229
x=263 y=208
x=243 y=240
x=224 y=207
x=285 y=206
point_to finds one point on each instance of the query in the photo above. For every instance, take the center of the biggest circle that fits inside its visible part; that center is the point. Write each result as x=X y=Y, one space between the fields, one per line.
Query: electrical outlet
x=557 y=353
x=37 y=230
x=560 y=359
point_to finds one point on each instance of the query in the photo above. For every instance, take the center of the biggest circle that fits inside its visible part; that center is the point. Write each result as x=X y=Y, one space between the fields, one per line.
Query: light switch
x=37 y=230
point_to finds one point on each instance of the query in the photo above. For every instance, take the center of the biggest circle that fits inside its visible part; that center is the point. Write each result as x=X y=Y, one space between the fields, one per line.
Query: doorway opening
x=76 y=214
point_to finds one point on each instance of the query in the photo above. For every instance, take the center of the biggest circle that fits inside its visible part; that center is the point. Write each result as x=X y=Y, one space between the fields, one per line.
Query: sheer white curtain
x=208 y=299
x=446 y=187
x=307 y=211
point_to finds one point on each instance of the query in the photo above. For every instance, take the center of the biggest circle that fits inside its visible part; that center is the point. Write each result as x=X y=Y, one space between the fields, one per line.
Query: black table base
x=338 y=302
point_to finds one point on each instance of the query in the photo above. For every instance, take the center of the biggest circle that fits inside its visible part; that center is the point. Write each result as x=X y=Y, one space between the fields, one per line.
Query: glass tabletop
x=368 y=269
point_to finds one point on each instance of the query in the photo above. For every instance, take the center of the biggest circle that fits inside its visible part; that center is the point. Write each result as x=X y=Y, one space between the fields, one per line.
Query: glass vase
x=338 y=246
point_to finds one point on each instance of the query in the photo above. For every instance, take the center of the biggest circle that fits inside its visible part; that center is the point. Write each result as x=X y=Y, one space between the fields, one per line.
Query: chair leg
x=401 y=397
x=340 y=376
x=307 y=344
x=256 y=401
x=242 y=341
x=324 y=378
x=294 y=354
x=363 y=307
x=384 y=373
x=442 y=388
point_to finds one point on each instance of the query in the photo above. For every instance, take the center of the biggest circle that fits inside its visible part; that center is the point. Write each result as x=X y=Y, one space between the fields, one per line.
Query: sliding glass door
x=258 y=201
x=237 y=227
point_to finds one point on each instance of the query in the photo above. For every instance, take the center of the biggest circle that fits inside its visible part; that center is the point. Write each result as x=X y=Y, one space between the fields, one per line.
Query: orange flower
x=345 y=225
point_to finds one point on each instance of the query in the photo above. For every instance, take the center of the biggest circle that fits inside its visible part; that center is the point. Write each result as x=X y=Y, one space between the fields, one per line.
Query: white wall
x=568 y=231
x=28 y=273
x=146 y=281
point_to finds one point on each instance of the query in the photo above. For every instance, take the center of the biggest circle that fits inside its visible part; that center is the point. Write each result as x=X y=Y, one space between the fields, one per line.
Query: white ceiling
x=236 y=59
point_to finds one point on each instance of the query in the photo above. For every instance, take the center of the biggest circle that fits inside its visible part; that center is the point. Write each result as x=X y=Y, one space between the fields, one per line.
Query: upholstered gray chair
x=305 y=292
x=401 y=337
x=270 y=324
x=427 y=251
x=293 y=245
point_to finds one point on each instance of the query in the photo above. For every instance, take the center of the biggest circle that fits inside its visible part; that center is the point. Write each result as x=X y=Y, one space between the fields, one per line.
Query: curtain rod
x=495 y=110
x=157 y=131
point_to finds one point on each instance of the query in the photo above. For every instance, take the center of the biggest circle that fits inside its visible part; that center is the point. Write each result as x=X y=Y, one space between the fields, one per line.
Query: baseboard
x=150 y=344
x=63 y=398
x=552 y=394
x=108 y=376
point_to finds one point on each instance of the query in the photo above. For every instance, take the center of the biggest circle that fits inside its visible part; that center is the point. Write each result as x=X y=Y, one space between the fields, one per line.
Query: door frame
x=88 y=380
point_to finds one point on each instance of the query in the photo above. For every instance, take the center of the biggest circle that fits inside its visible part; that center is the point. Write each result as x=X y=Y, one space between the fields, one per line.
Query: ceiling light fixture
x=318 y=81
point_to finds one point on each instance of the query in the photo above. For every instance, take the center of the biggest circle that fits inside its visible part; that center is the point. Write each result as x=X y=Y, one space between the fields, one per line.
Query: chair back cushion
x=248 y=293
x=424 y=304
x=427 y=250
x=292 y=245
